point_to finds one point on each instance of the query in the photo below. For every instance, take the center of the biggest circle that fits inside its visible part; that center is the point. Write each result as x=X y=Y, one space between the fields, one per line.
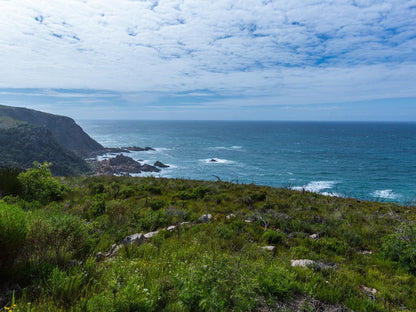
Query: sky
x=216 y=59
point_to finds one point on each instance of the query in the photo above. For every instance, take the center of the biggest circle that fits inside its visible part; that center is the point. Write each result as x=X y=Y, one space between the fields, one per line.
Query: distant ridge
x=64 y=129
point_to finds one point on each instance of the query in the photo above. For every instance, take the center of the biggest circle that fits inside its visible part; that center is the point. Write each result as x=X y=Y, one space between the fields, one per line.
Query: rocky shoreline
x=121 y=164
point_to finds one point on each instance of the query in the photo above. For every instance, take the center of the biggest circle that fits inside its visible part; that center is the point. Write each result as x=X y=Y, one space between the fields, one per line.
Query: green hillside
x=68 y=248
x=21 y=144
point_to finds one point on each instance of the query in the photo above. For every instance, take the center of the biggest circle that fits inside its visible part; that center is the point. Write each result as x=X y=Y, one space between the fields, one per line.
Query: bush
x=273 y=237
x=9 y=184
x=13 y=231
x=401 y=248
x=38 y=184
x=277 y=282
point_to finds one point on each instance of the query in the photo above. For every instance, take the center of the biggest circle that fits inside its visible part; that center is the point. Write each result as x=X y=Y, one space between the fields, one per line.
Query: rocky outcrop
x=139 y=149
x=137 y=239
x=123 y=165
x=117 y=150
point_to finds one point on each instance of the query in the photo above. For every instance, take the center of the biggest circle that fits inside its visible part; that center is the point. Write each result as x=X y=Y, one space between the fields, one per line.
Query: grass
x=214 y=266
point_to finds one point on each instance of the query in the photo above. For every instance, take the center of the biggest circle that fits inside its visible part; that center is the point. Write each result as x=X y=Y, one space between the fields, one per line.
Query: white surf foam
x=385 y=194
x=316 y=186
x=231 y=148
x=332 y=194
x=162 y=149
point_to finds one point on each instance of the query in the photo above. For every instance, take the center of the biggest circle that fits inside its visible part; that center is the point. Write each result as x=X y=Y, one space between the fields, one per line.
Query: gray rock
x=137 y=239
x=171 y=228
x=268 y=248
x=151 y=234
x=205 y=218
x=311 y=264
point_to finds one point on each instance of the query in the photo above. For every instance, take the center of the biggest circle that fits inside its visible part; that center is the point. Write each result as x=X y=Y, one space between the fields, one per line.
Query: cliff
x=63 y=129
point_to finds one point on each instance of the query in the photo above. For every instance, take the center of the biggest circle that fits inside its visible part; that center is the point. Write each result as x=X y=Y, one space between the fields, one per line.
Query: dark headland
x=27 y=135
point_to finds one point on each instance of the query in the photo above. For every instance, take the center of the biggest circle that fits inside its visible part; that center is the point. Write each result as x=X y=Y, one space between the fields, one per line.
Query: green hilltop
x=150 y=244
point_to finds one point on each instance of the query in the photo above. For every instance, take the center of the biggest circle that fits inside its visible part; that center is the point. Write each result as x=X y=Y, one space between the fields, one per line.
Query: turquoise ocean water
x=375 y=161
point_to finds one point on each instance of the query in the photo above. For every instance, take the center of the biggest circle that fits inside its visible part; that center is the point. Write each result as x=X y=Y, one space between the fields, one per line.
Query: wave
x=385 y=194
x=162 y=149
x=231 y=148
x=316 y=186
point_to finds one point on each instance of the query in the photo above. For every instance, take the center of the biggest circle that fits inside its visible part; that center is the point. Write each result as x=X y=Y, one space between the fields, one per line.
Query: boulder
x=150 y=234
x=268 y=248
x=137 y=239
x=205 y=218
x=311 y=264
x=213 y=160
x=302 y=263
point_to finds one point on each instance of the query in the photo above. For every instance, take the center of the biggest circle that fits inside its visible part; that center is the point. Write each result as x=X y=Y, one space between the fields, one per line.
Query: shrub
x=401 y=248
x=13 y=231
x=38 y=184
x=277 y=282
x=9 y=184
x=273 y=237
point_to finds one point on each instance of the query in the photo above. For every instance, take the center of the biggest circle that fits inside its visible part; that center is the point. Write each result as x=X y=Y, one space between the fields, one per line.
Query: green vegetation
x=21 y=144
x=363 y=256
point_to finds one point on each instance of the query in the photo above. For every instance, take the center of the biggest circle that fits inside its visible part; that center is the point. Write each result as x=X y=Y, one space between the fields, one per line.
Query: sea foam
x=316 y=186
x=385 y=194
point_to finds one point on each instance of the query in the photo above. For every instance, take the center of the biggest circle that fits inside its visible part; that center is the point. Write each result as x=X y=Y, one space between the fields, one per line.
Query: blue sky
x=219 y=59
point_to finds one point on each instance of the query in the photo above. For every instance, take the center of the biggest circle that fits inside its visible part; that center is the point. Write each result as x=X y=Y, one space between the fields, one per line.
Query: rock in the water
x=160 y=164
x=138 y=149
x=205 y=218
x=137 y=238
x=123 y=165
x=149 y=168
x=213 y=160
x=121 y=160
x=269 y=248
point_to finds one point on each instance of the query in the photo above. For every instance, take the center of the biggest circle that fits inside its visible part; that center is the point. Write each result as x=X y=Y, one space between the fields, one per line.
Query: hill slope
x=64 y=129
x=21 y=144
x=153 y=244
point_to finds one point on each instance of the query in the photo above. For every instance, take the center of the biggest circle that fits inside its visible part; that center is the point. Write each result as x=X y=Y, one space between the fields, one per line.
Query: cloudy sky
x=217 y=59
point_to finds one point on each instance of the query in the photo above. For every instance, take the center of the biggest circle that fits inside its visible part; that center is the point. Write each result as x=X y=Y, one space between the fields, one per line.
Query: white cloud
x=292 y=52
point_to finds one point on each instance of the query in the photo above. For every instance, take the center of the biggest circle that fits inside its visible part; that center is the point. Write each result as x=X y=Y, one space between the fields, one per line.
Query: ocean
x=370 y=161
